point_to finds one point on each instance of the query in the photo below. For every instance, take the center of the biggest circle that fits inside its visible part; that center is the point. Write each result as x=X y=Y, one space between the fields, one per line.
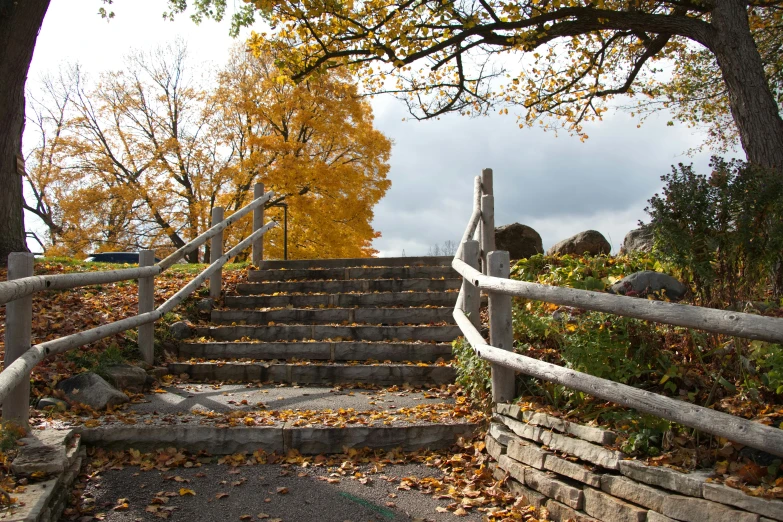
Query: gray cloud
x=557 y=184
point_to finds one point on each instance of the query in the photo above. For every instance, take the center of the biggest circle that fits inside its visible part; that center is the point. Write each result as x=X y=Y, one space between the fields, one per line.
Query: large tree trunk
x=20 y=22
x=752 y=104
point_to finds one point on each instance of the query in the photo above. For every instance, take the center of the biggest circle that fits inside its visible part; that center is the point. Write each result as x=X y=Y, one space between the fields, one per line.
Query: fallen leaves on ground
x=461 y=476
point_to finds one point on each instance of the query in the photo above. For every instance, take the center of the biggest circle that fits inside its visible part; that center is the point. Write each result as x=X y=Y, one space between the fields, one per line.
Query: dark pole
x=285 y=231
x=285 y=227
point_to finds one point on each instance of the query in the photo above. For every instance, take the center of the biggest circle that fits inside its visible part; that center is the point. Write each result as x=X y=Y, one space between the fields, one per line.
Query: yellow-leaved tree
x=547 y=58
x=139 y=158
x=313 y=143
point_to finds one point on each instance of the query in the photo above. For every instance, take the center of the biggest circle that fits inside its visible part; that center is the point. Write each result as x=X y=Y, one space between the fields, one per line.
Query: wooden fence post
x=147 y=304
x=501 y=333
x=471 y=303
x=18 y=334
x=258 y=222
x=215 y=253
x=487 y=224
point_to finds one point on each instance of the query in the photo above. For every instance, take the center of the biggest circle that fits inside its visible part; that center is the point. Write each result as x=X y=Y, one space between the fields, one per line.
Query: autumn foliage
x=140 y=156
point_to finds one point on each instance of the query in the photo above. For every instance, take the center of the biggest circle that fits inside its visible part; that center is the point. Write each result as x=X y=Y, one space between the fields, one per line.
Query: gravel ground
x=258 y=491
x=190 y=397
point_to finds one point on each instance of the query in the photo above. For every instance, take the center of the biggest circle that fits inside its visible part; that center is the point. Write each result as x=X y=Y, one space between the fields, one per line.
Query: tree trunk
x=752 y=104
x=19 y=26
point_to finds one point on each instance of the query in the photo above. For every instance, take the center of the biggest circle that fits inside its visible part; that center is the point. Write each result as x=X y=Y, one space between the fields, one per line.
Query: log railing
x=493 y=279
x=16 y=294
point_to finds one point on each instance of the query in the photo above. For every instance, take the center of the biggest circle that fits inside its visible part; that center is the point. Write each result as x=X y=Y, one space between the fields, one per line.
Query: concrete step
x=344 y=300
x=379 y=272
x=380 y=374
x=318 y=351
x=336 y=333
x=336 y=315
x=353 y=285
x=359 y=262
x=198 y=417
x=281 y=439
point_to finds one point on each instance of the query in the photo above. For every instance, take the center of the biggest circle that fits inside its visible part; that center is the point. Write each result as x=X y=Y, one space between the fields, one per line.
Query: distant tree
x=448 y=248
x=140 y=157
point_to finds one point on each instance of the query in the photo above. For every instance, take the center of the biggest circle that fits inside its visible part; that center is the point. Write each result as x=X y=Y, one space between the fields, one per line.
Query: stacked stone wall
x=567 y=469
x=57 y=454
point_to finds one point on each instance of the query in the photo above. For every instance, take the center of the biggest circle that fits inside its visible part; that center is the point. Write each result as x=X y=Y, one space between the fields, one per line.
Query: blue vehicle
x=131 y=258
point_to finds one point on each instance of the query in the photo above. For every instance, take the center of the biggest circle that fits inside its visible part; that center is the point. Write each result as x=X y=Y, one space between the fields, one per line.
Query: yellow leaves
x=185 y=492
x=316 y=135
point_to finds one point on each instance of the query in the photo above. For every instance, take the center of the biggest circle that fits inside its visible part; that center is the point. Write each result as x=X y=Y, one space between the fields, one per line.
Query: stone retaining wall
x=565 y=468
x=58 y=454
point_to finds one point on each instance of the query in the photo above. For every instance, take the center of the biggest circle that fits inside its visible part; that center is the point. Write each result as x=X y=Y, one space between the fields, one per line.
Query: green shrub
x=472 y=374
x=10 y=432
x=603 y=345
x=645 y=432
x=723 y=232
x=97 y=362
x=582 y=272
x=769 y=359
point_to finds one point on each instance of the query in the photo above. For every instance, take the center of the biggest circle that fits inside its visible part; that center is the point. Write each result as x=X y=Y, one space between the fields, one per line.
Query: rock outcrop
x=91 y=389
x=637 y=240
x=647 y=282
x=519 y=240
x=588 y=242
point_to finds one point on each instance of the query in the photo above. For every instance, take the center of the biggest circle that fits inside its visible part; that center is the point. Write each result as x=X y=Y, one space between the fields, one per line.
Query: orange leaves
x=312 y=142
x=142 y=157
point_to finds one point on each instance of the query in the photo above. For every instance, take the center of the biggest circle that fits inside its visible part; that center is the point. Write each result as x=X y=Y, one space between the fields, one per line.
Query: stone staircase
x=380 y=321
x=311 y=356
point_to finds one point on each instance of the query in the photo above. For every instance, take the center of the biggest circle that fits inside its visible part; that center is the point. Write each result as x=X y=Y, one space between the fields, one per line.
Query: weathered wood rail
x=16 y=293
x=493 y=279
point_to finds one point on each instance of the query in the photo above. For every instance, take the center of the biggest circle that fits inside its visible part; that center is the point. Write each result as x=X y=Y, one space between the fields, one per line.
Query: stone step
x=344 y=351
x=378 y=374
x=315 y=440
x=197 y=416
x=336 y=315
x=353 y=285
x=378 y=272
x=330 y=332
x=359 y=262
x=344 y=300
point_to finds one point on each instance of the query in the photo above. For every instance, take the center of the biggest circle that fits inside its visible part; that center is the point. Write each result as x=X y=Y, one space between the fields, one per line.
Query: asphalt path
x=288 y=493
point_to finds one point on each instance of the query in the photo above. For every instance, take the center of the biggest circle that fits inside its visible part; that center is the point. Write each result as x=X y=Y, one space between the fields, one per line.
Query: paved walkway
x=286 y=492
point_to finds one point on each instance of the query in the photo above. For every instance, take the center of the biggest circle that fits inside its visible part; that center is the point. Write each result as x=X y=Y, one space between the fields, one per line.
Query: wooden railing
x=493 y=278
x=16 y=294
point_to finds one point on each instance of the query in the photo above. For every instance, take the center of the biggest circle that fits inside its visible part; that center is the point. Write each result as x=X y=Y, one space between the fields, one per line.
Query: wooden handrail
x=738 y=324
x=18 y=288
x=734 y=428
x=19 y=370
x=737 y=429
x=475 y=217
x=208 y=234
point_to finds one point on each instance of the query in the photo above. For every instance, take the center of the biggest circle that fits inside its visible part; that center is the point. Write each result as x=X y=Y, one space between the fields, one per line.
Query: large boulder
x=647 y=282
x=519 y=240
x=588 y=242
x=91 y=389
x=637 y=240
x=180 y=330
x=127 y=377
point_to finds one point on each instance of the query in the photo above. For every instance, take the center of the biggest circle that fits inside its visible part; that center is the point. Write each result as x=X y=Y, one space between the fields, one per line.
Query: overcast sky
x=556 y=184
